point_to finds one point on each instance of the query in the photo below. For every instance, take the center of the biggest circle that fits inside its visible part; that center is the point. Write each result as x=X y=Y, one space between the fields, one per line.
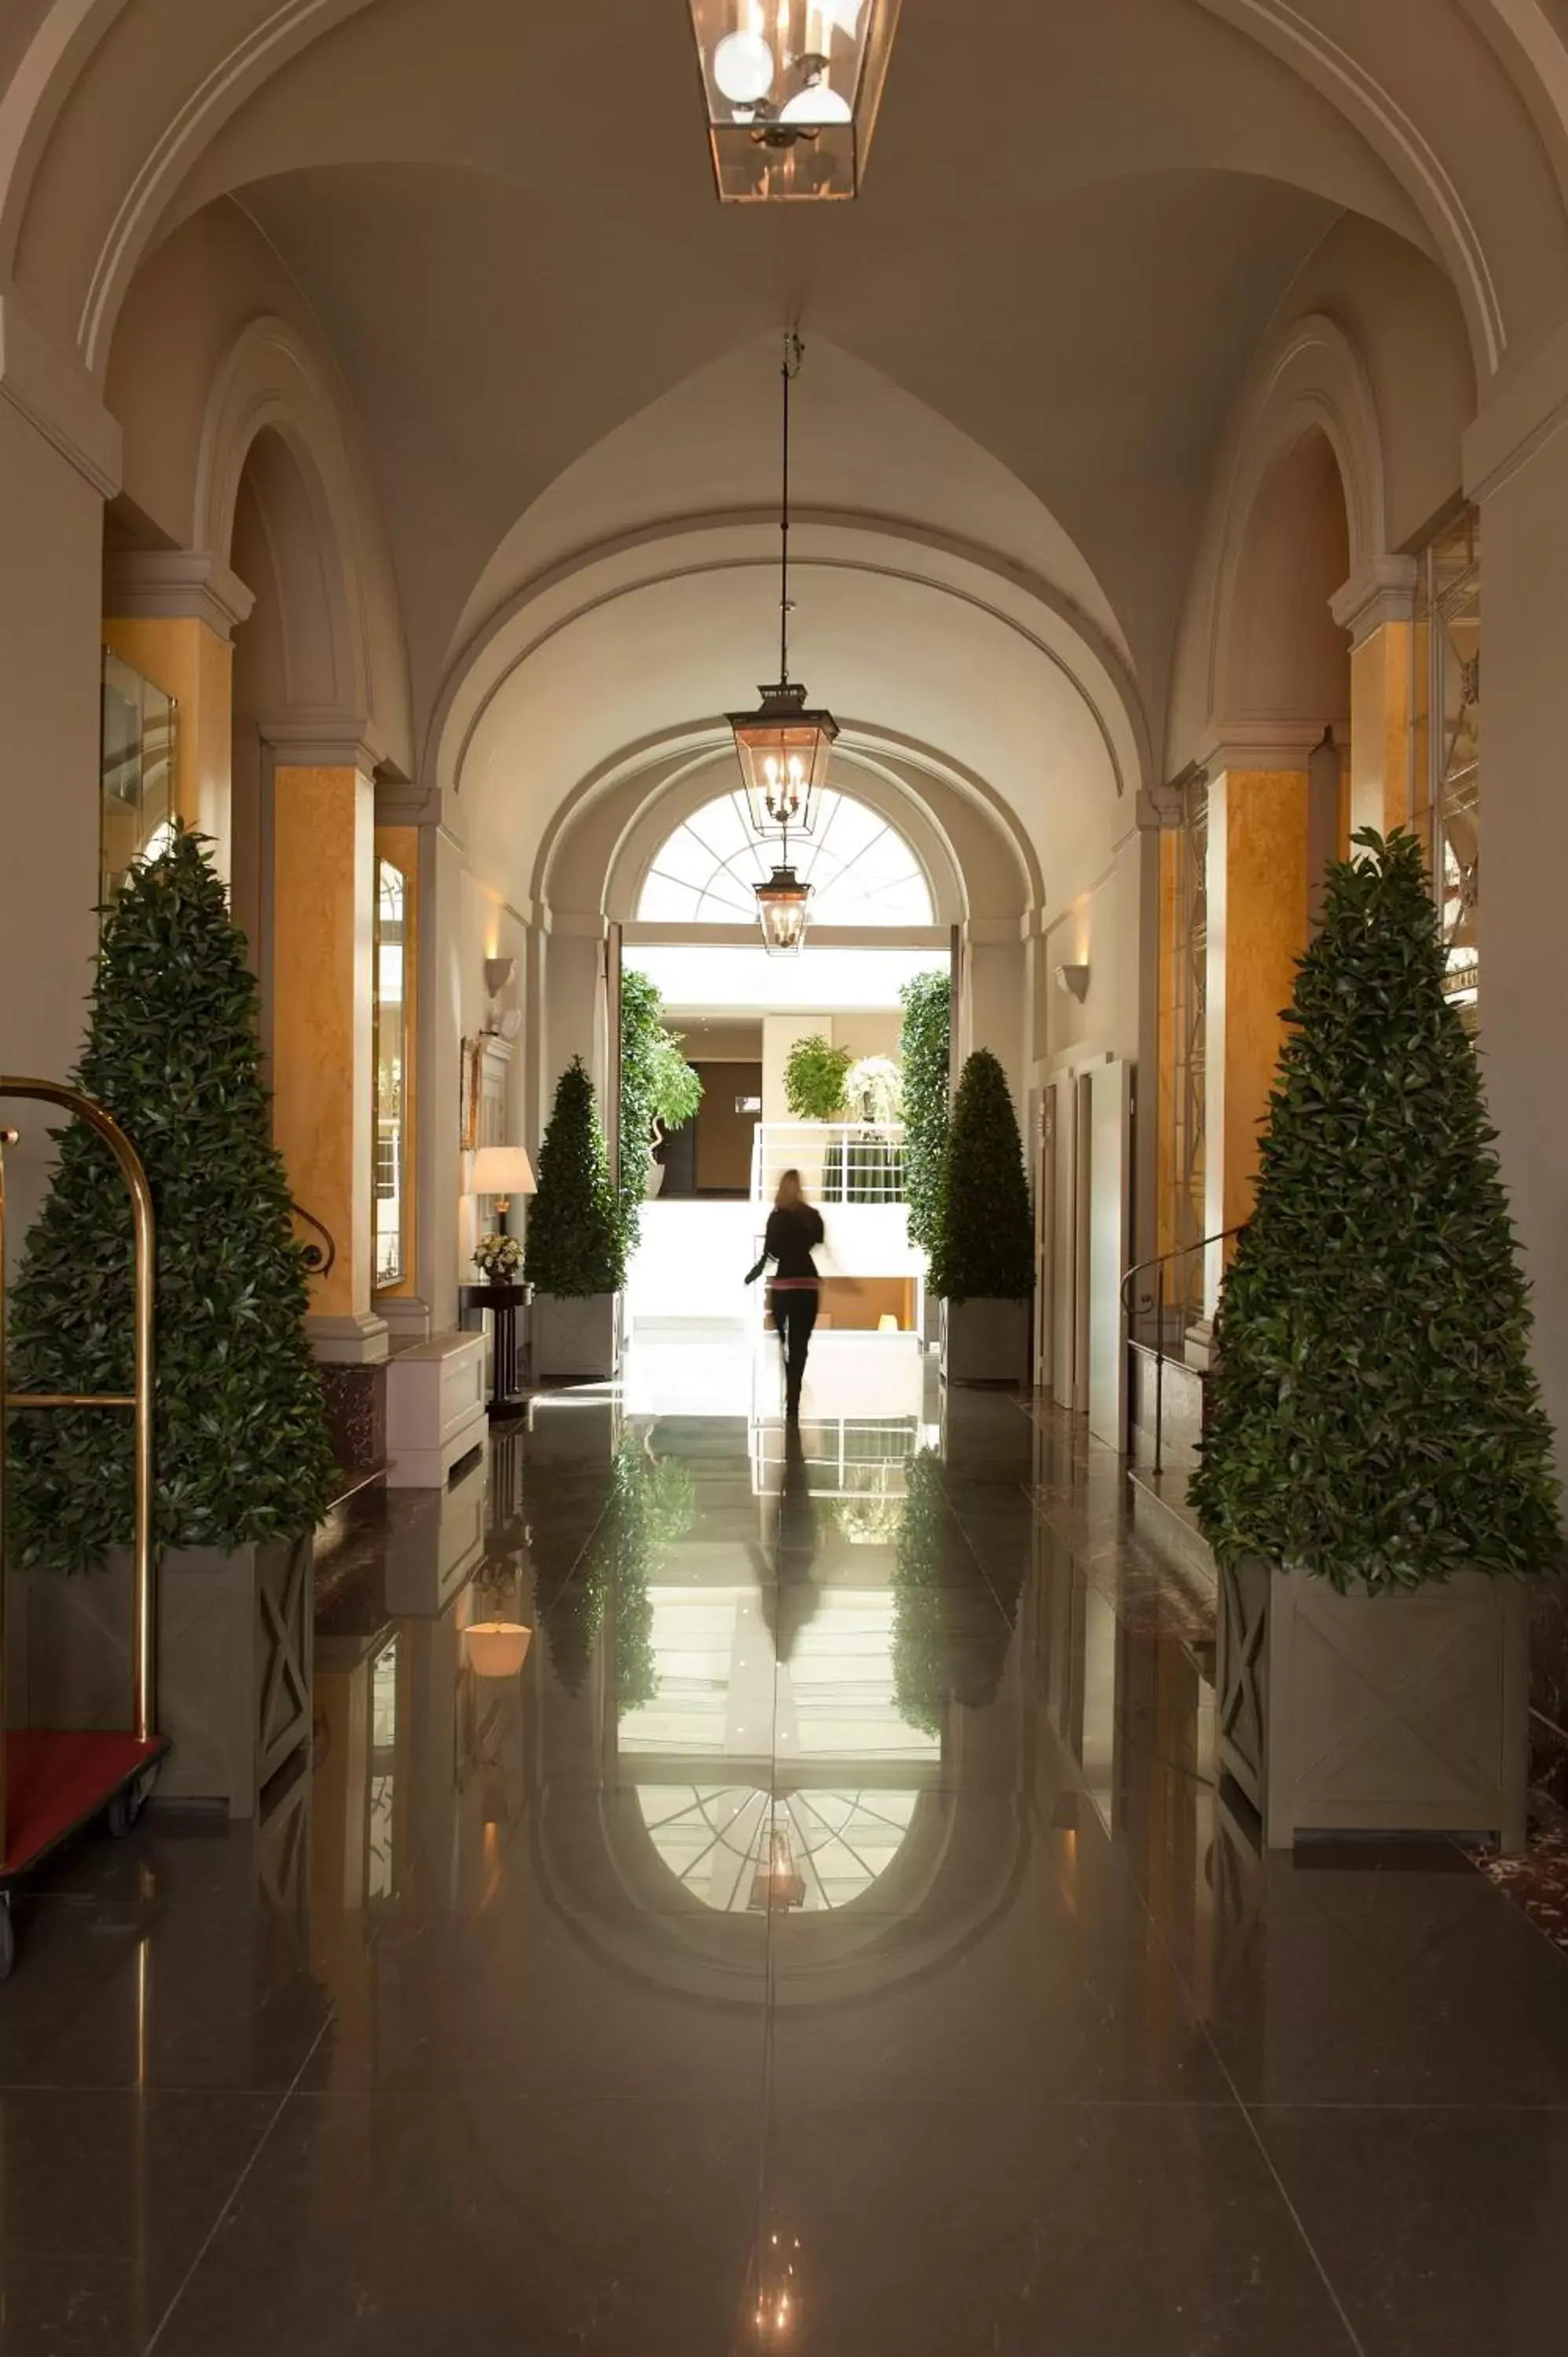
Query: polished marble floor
x=830 y=1939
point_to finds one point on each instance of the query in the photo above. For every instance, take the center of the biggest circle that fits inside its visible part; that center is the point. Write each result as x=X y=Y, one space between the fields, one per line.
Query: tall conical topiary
x=1374 y=1418
x=985 y=1248
x=241 y=1437
x=575 y=1242
x=924 y=1050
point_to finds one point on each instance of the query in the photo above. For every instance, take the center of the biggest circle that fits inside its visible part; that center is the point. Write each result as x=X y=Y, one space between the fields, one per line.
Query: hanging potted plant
x=1375 y=1477
x=575 y=1252
x=982 y=1268
x=245 y=1466
x=814 y=1076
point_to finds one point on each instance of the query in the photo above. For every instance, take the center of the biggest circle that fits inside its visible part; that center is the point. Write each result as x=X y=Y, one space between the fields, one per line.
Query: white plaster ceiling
x=1078 y=222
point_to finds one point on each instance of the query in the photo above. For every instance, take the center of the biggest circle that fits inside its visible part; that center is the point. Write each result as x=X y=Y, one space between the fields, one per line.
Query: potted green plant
x=982 y=1266
x=659 y=1090
x=575 y=1253
x=815 y=1072
x=1375 y=1478
x=924 y=1053
x=925 y=1049
x=814 y=1076
x=243 y=1460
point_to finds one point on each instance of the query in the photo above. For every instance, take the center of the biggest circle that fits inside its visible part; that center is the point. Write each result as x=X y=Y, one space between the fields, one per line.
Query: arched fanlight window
x=861 y=869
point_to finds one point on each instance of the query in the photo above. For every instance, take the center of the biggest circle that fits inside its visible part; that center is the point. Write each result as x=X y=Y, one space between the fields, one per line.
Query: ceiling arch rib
x=557 y=696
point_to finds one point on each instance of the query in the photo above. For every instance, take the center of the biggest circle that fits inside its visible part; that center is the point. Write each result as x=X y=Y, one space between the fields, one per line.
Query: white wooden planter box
x=1390 y=1714
x=435 y=1409
x=985 y=1341
x=234 y=1645
x=576 y=1341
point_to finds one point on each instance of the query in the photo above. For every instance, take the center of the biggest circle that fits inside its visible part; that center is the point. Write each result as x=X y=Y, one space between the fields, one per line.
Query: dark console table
x=503 y=1301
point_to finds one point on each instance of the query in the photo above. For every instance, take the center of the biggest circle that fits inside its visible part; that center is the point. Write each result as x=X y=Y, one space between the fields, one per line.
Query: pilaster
x=168 y=613
x=1377 y=606
x=323 y=1044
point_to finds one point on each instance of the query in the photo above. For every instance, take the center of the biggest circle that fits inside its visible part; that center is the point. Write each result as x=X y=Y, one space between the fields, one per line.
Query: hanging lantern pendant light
x=782 y=747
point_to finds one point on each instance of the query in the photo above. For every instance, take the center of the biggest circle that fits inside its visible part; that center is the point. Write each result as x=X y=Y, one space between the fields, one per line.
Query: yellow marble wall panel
x=1265 y=850
x=323 y=829
x=1380 y=718
x=193 y=664
x=1171 y=951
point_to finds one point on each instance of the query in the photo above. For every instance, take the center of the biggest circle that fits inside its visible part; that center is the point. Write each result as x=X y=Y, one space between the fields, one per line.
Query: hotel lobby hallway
x=830 y=1939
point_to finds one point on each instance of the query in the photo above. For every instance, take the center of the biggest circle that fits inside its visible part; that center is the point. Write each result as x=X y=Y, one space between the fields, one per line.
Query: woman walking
x=794 y=1230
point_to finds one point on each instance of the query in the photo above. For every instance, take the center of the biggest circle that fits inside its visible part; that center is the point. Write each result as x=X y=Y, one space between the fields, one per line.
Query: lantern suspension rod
x=794 y=351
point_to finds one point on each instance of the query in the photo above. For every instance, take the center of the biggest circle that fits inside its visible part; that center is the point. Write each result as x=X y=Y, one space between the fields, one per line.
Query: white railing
x=839 y=1162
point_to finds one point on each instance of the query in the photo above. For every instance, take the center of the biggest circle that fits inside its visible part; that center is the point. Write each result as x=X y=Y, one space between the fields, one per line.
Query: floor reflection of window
x=380 y=1860
x=391 y=1014
x=740 y=1850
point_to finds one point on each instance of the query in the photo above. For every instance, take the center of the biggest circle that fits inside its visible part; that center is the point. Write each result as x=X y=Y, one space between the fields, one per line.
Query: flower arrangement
x=498 y=1258
x=872 y=1091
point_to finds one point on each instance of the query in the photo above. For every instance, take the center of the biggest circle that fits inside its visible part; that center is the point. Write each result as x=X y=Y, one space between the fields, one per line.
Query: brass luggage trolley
x=56 y=1780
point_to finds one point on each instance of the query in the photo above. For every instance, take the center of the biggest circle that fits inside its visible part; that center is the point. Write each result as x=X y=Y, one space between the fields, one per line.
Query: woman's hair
x=789 y=1190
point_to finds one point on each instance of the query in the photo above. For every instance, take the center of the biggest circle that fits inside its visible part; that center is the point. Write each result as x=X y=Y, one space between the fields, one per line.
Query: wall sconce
x=499 y=973
x=1074 y=980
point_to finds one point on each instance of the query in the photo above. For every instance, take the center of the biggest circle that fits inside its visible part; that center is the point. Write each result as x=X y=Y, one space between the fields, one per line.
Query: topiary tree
x=242 y=1452
x=657 y=1086
x=814 y=1076
x=1374 y=1417
x=985 y=1248
x=925 y=1048
x=575 y=1246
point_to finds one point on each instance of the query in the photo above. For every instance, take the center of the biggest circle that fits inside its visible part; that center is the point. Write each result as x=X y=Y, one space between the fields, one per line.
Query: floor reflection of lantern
x=772 y=2308
x=777 y=1881
x=496 y=1648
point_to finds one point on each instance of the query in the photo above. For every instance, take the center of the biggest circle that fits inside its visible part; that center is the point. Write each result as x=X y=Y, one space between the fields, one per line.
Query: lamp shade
x=502 y=1170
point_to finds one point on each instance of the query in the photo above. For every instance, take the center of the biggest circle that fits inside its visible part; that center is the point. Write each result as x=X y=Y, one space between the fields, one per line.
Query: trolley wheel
x=7 y=1937
x=127 y=1804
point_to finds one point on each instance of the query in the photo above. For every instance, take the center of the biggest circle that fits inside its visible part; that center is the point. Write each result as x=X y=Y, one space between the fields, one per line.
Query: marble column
x=320 y=974
x=1516 y=459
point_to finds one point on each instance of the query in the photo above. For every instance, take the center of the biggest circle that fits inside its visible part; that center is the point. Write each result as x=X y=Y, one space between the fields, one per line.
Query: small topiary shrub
x=575 y=1246
x=242 y=1451
x=985 y=1248
x=1374 y=1416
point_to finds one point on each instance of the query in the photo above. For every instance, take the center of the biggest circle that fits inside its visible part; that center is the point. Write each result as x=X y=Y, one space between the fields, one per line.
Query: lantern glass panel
x=791 y=89
x=783 y=765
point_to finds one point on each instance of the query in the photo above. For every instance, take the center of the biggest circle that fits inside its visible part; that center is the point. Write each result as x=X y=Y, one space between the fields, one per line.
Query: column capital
x=54 y=396
x=401 y=802
x=1161 y=808
x=324 y=740
x=1380 y=590
x=1267 y=743
x=170 y=585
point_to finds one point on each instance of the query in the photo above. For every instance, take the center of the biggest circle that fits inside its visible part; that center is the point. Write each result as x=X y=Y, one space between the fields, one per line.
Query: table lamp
x=501 y=1172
